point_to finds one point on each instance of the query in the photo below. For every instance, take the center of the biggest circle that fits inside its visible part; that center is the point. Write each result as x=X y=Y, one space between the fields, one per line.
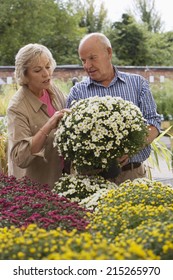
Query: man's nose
x=88 y=64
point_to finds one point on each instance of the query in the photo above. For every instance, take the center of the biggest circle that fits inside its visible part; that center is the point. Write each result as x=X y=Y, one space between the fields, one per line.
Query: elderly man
x=103 y=79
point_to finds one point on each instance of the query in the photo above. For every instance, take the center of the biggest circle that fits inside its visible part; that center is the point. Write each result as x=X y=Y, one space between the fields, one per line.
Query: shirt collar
x=118 y=75
x=32 y=99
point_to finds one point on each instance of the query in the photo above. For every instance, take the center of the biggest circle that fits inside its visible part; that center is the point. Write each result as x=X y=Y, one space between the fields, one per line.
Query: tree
x=66 y=34
x=129 y=41
x=61 y=24
x=91 y=18
x=48 y=22
x=160 y=49
x=133 y=44
x=23 y=22
x=146 y=11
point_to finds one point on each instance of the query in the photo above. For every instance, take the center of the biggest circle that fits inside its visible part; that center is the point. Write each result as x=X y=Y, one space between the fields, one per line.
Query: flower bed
x=132 y=204
x=86 y=190
x=23 y=202
x=3 y=145
x=133 y=221
x=39 y=244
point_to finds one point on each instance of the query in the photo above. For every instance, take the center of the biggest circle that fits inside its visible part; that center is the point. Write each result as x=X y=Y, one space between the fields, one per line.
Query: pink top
x=45 y=98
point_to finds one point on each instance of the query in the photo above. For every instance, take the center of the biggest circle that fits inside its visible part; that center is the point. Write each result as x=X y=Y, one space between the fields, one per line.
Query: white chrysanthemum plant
x=99 y=130
x=85 y=190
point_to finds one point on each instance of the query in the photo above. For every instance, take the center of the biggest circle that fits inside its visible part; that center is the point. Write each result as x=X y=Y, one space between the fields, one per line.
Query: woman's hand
x=55 y=119
x=40 y=137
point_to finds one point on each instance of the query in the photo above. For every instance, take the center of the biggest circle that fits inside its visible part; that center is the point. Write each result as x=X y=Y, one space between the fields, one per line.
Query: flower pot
x=88 y=171
x=113 y=171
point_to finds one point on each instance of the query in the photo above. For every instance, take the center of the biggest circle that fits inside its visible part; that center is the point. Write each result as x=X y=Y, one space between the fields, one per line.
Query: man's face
x=96 y=60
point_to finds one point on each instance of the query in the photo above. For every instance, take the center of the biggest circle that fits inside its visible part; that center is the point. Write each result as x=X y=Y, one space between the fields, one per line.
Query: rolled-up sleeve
x=148 y=106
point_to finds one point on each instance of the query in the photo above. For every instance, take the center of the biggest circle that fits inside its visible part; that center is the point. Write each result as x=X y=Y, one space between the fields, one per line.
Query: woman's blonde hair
x=25 y=56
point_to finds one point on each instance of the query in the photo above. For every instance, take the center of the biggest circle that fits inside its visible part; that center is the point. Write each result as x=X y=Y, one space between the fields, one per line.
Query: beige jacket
x=26 y=114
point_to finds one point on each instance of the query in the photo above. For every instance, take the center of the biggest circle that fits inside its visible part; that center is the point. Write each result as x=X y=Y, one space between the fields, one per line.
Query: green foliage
x=160 y=150
x=148 y=14
x=91 y=19
x=133 y=44
x=5 y=95
x=129 y=41
x=24 y=22
x=61 y=24
x=64 y=86
x=137 y=39
x=66 y=34
x=160 y=48
x=56 y=24
x=6 y=92
x=163 y=95
x=42 y=21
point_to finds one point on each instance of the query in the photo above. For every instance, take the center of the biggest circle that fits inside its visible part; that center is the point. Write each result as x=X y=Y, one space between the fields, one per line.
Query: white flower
x=86 y=190
x=99 y=130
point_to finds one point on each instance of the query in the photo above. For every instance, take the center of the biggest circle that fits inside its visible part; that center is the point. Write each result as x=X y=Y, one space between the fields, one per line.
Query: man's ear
x=109 y=50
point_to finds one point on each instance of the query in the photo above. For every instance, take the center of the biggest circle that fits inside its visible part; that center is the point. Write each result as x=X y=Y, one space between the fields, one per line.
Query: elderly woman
x=33 y=115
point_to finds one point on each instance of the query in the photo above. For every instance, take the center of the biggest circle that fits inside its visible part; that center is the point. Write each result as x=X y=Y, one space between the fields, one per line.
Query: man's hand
x=123 y=160
x=152 y=134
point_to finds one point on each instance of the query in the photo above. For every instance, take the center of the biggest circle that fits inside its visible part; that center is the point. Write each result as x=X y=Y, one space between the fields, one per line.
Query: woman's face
x=39 y=75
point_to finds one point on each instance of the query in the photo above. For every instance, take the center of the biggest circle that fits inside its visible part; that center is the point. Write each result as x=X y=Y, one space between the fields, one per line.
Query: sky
x=116 y=8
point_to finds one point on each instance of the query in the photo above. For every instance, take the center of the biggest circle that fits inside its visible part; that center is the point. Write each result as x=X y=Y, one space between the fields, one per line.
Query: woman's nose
x=45 y=72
